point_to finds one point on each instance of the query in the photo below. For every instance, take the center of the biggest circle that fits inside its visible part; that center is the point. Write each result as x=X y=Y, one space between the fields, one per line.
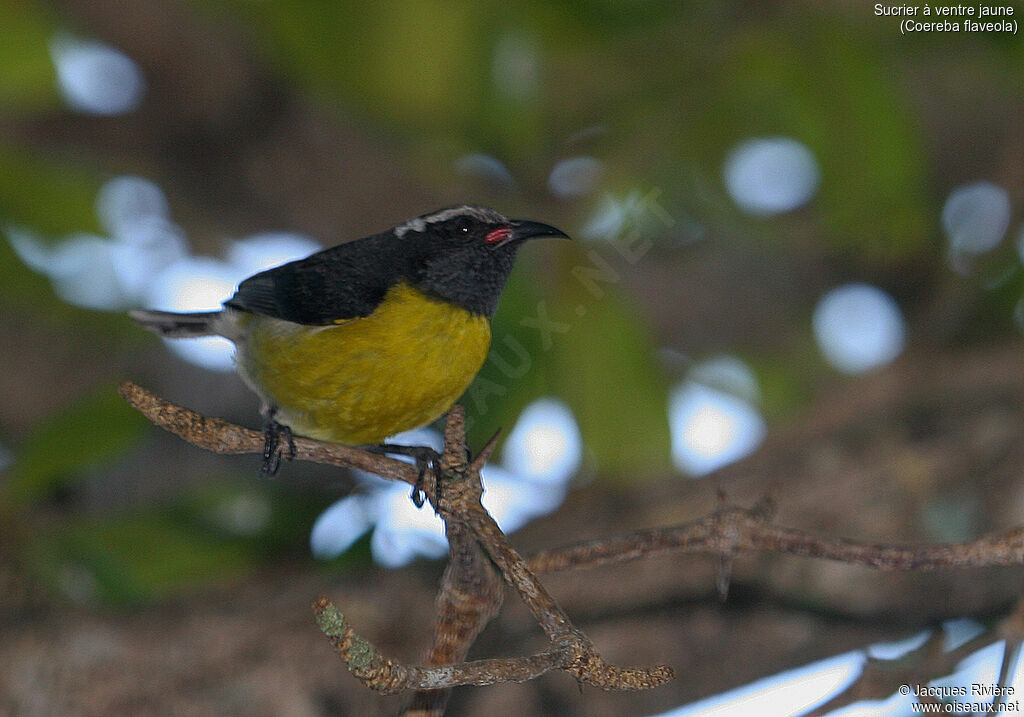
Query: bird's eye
x=462 y=225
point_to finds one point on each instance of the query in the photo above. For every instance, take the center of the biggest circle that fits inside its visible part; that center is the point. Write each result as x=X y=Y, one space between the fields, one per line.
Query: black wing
x=343 y=282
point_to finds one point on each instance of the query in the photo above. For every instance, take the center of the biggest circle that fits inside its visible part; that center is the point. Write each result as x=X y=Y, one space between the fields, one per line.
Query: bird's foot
x=426 y=458
x=277 y=442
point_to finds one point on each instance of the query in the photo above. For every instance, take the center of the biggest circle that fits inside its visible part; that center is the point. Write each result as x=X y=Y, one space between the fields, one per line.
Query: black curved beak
x=523 y=229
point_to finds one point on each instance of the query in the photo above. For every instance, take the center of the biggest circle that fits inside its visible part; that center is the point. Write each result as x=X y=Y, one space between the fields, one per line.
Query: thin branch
x=585 y=663
x=471 y=590
x=471 y=595
x=383 y=675
x=219 y=436
x=458 y=503
x=881 y=678
x=484 y=455
x=731 y=531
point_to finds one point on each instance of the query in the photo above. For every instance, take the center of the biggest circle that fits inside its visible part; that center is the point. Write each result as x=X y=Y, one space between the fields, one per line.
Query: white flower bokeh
x=542 y=453
x=858 y=328
x=575 y=177
x=145 y=263
x=801 y=689
x=95 y=78
x=713 y=416
x=975 y=218
x=771 y=175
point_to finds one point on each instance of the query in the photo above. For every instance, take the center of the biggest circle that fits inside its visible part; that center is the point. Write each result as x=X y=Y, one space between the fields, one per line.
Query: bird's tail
x=176 y=326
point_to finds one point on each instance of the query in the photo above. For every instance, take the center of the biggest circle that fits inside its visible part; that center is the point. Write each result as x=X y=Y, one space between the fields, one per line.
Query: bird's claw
x=277 y=441
x=426 y=458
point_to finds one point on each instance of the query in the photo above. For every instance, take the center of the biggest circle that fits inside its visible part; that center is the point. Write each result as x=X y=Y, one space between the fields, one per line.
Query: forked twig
x=457 y=501
x=481 y=558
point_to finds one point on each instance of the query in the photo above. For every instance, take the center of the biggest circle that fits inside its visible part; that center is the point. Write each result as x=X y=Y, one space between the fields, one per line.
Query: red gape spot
x=497 y=235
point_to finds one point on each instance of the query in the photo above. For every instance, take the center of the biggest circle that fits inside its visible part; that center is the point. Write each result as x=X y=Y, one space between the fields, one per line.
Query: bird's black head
x=465 y=254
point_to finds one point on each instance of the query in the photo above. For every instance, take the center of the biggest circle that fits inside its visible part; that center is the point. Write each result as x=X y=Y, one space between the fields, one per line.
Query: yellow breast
x=363 y=380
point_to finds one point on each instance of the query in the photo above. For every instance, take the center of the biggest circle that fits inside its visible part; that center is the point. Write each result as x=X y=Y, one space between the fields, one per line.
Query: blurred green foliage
x=838 y=98
x=607 y=345
x=128 y=557
x=26 y=82
x=574 y=339
x=52 y=195
x=131 y=558
x=87 y=434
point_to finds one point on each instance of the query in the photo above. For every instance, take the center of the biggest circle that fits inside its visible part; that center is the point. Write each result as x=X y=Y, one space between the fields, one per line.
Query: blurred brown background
x=122 y=588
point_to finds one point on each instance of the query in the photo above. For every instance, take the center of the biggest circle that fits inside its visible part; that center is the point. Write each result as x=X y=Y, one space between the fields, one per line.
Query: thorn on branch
x=484 y=455
x=723 y=576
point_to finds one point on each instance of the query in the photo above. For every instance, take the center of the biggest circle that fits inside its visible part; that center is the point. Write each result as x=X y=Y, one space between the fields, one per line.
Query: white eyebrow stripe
x=413 y=225
x=419 y=224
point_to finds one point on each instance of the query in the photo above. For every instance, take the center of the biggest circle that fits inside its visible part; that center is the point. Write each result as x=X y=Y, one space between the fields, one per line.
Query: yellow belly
x=365 y=379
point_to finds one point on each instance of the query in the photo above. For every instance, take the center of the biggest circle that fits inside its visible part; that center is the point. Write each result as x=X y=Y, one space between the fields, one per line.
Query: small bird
x=369 y=338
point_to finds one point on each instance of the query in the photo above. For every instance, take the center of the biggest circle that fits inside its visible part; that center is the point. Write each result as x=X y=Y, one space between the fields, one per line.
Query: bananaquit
x=371 y=337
